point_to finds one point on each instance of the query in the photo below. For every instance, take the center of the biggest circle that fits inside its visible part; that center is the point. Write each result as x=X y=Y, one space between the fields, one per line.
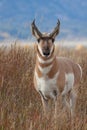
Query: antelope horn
x=56 y=30
x=35 y=30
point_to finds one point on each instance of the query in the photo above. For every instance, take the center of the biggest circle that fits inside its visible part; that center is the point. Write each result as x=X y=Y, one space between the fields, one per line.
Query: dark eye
x=38 y=40
x=53 y=40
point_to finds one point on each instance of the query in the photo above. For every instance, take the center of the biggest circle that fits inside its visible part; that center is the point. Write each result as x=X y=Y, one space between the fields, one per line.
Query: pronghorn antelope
x=54 y=75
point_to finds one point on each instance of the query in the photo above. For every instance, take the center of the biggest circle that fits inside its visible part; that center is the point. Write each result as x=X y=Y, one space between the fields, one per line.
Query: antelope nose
x=46 y=51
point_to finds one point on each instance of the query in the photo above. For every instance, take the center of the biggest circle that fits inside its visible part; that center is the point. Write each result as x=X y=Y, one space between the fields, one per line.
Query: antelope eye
x=38 y=40
x=53 y=40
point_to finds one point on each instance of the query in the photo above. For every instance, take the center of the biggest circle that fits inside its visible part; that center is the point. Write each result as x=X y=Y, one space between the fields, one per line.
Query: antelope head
x=45 y=40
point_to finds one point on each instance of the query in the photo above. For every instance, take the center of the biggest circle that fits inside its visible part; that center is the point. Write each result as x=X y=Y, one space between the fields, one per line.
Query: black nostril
x=46 y=53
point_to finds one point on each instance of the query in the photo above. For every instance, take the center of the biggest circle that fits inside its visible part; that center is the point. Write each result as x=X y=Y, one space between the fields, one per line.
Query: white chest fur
x=47 y=86
x=45 y=70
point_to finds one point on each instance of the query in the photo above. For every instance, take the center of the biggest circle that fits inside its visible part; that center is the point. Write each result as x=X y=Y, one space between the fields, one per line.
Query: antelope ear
x=55 y=31
x=35 y=30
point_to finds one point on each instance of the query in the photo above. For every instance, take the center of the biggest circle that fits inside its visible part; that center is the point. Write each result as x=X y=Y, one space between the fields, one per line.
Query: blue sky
x=17 y=15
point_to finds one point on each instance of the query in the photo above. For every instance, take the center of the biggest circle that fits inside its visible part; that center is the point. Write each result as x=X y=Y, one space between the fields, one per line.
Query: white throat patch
x=45 y=70
x=45 y=61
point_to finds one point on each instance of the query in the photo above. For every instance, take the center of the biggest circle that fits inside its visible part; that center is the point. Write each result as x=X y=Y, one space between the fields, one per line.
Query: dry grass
x=20 y=105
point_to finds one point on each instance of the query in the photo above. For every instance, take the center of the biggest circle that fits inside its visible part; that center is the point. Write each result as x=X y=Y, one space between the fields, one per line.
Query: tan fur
x=54 y=75
x=61 y=64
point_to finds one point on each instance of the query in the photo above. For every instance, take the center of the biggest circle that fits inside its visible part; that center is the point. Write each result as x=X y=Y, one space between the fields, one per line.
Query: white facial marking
x=40 y=50
x=47 y=85
x=45 y=61
x=51 y=49
x=45 y=70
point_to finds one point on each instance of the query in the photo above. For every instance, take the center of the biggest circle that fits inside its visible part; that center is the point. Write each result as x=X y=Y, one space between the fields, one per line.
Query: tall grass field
x=20 y=104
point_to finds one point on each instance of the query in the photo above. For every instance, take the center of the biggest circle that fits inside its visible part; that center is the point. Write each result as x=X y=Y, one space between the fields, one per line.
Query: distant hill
x=16 y=17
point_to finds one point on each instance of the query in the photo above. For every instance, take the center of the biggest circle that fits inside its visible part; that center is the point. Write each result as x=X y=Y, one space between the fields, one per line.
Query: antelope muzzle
x=46 y=51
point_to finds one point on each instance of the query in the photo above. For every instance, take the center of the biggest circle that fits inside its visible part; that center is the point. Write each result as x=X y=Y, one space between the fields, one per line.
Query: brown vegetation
x=20 y=104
